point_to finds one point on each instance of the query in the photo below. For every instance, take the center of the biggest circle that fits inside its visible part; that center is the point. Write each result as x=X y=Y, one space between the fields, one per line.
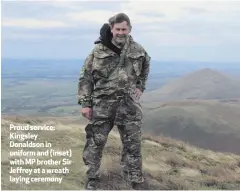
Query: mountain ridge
x=202 y=84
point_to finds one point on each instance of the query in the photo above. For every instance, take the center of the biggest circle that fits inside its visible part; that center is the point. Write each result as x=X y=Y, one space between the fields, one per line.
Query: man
x=111 y=82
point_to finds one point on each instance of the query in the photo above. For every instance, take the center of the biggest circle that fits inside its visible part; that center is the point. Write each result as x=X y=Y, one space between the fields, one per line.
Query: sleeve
x=141 y=83
x=85 y=83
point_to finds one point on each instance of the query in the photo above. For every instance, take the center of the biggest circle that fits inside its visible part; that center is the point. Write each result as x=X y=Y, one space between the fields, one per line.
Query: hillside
x=201 y=84
x=167 y=163
x=208 y=124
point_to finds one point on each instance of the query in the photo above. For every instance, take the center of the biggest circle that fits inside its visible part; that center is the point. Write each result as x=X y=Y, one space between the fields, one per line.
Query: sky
x=168 y=30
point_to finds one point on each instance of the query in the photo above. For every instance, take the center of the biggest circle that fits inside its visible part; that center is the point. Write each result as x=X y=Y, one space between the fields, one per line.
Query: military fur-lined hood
x=105 y=34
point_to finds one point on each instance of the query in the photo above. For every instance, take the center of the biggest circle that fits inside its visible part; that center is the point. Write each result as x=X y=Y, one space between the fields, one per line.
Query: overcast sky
x=168 y=30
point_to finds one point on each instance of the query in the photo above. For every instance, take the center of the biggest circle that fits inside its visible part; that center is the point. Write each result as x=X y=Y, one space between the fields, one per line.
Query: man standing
x=111 y=82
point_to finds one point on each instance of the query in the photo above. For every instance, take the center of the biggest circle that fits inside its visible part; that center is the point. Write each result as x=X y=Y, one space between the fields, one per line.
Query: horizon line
x=220 y=61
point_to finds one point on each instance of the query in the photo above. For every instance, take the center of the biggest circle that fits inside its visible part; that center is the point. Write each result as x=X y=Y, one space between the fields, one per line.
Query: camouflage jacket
x=102 y=76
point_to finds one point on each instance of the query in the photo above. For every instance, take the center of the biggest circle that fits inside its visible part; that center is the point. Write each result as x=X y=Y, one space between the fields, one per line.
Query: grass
x=203 y=123
x=167 y=163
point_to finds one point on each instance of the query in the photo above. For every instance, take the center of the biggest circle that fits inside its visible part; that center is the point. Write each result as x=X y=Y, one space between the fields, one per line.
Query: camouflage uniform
x=108 y=88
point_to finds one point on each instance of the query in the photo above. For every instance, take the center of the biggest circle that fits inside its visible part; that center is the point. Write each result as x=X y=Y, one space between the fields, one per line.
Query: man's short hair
x=119 y=18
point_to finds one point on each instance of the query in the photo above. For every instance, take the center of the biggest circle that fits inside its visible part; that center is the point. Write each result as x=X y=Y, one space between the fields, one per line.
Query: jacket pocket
x=136 y=59
x=103 y=64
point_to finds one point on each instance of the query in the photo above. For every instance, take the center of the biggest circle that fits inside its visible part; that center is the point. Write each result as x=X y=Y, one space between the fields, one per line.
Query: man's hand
x=138 y=93
x=87 y=112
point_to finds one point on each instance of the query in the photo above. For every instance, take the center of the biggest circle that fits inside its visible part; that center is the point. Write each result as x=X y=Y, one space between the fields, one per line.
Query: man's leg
x=133 y=139
x=134 y=155
x=124 y=149
x=96 y=135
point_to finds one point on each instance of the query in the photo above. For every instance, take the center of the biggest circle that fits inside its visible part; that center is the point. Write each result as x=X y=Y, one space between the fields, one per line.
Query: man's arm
x=141 y=84
x=85 y=83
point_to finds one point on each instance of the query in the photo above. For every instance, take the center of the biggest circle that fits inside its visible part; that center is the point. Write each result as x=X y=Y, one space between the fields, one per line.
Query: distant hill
x=209 y=124
x=201 y=84
x=168 y=164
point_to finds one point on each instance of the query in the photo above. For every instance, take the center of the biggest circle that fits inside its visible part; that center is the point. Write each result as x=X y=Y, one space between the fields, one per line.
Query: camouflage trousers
x=126 y=114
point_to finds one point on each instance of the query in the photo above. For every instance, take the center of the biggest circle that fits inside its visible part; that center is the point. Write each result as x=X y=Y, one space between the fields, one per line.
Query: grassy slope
x=167 y=163
x=203 y=123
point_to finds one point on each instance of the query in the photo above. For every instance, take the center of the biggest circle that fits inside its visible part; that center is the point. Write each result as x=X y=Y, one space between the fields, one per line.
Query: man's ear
x=130 y=29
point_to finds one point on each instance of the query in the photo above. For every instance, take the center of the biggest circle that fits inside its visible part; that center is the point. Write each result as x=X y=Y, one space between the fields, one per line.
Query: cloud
x=195 y=10
x=177 y=39
x=33 y=9
x=32 y=23
x=92 y=16
x=185 y=23
x=73 y=5
x=101 y=16
x=23 y=36
x=193 y=25
x=170 y=10
x=52 y=3
x=184 y=10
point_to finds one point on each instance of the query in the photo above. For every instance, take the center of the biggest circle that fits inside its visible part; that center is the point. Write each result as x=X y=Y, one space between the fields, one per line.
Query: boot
x=137 y=186
x=92 y=184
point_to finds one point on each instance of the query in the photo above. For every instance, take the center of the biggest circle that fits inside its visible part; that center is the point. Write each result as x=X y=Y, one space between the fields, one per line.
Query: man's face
x=120 y=32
